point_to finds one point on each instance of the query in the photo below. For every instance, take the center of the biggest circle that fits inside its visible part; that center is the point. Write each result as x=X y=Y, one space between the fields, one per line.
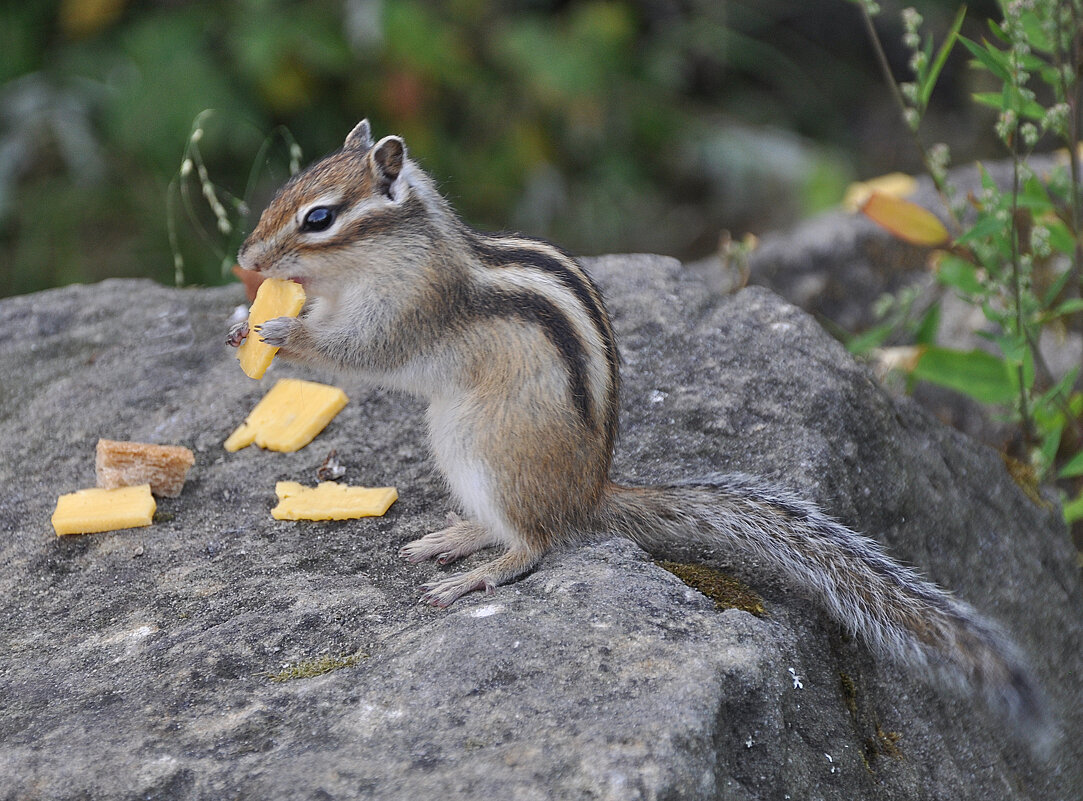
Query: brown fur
x=510 y=342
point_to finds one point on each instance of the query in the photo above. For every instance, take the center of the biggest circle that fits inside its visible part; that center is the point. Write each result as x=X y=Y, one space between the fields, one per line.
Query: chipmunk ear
x=360 y=137
x=387 y=157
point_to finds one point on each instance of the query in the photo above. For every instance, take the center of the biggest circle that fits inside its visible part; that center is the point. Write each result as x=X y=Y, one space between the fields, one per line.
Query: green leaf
x=925 y=334
x=993 y=59
x=987 y=181
x=1051 y=441
x=1049 y=74
x=991 y=99
x=1054 y=290
x=1013 y=345
x=1036 y=37
x=1035 y=191
x=986 y=227
x=959 y=274
x=998 y=31
x=866 y=341
x=1010 y=99
x=941 y=57
x=1070 y=306
x=976 y=373
x=1060 y=237
x=1073 y=510
x=1048 y=400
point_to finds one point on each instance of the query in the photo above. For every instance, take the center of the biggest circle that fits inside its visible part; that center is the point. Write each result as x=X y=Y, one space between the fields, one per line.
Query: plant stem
x=885 y=67
x=1070 y=93
x=900 y=101
x=1074 y=59
x=1017 y=296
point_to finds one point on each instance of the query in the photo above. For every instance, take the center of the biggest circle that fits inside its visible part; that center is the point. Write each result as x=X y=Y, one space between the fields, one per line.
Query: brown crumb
x=126 y=464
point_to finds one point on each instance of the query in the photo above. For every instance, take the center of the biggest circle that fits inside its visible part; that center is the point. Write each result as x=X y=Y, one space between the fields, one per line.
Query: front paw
x=277 y=332
x=238 y=333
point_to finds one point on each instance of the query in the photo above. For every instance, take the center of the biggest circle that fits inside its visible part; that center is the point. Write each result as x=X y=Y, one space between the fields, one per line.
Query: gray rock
x=836 y=265
x=139 y=663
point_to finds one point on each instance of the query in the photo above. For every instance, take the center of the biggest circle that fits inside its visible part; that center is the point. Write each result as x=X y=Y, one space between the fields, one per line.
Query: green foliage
x=1018 y=250
x=603 y=124
x=975 y=372
x=899 y=317
x=926 y=66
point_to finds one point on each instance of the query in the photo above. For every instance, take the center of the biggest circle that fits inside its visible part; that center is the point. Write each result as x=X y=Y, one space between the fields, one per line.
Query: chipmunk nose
x=246 y=259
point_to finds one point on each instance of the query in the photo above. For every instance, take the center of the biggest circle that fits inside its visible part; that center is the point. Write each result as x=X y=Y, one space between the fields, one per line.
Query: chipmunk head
x=320 y=221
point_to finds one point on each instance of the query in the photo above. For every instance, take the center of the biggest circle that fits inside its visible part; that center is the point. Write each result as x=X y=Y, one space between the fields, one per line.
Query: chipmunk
x=508 y=340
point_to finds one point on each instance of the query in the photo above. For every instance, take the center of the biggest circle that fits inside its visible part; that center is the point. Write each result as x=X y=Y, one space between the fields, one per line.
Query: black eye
x=318 y=219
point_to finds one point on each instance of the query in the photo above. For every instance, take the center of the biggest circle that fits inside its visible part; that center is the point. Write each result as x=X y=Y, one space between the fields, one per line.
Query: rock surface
x=139 y=664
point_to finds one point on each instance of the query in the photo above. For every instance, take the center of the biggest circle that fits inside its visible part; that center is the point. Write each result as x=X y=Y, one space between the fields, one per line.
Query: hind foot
x=486 y=578
x=460 y=539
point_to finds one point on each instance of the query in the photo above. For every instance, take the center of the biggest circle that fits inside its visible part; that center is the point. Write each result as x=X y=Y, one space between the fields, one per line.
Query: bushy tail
x=885 y=604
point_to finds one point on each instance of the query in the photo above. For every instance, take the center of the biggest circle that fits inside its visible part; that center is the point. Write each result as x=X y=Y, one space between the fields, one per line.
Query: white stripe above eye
x=343 y=215
x=328 y=201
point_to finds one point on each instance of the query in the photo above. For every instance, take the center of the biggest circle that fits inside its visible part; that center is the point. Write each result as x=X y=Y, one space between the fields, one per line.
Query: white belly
x=467 y=475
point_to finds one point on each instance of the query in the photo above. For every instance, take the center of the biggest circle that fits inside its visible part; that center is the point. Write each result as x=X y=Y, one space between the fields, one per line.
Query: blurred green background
x=604 y=125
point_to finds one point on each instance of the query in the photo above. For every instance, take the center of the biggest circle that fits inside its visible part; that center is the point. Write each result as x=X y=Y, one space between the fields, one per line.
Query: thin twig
x=1071 y=98
x=900 y=101
x=1017 y=294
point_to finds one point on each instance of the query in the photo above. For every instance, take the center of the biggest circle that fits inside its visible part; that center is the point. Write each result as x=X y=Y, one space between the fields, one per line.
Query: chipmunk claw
x=276 y=332
x=238 y=333
x=444 y=593
x=461 y=538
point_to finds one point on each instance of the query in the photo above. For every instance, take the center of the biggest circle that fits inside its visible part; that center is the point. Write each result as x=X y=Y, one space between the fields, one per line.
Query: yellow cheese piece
x=289 y=416
x=92 y=510
x=330 y=501
x=274 y=298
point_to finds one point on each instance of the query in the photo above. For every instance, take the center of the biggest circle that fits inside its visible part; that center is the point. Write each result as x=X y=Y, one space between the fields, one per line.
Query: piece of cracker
x=274 y=298
x=128 y=464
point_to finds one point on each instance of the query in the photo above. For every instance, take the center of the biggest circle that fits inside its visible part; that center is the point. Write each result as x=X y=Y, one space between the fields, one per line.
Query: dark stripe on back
x=537 y=310
x=493 y=254
x=580 y=285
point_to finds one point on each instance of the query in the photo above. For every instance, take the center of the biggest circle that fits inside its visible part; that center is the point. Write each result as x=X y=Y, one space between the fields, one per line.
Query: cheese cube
x=289 y=416
x=330 y=501
x=274 y=298
x=92 y=510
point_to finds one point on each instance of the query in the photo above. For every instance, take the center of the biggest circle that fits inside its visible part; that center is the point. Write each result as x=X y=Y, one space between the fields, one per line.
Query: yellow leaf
x=896 y=184
x=907 y=221
x=83 y=18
